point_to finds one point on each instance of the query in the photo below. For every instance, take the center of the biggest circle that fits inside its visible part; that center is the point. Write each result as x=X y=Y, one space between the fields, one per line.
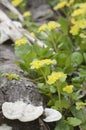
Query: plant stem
x=59 y=96
x=43 y=75
x=50 y=94
x=53 y=40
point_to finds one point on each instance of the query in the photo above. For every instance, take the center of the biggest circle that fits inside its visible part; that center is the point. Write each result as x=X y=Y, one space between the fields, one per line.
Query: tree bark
x=16 y=90
x=10 y=30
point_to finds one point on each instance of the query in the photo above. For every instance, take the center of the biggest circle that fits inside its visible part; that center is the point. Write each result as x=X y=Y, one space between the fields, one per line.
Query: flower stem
x=59 y=96
x=44 y=76
x=53 y=40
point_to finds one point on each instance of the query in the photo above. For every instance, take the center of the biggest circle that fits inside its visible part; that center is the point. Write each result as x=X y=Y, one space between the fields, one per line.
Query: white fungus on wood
x=28 y=112
x=31 y=113
x=21 y=111
x=52 y=115
x=13 y=110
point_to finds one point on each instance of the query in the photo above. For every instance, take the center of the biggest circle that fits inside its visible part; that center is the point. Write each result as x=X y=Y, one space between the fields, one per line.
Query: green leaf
x=64 y=104
x=82 y=72
x=62 y=125
x=42 y=88
x=46 y=70
x=65 y=44
x=64 y=24
x=50 y=103
x=52 y=89
x=83 y=46
x=23 y=66
x=22 y=50
x=73 y=121
x=80 y=114
x=0 y=73
x=84 y=54
x=76 y=58
x=61 y=57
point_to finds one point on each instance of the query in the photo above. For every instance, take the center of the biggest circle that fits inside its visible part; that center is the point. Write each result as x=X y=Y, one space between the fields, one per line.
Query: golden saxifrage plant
x=59 y=69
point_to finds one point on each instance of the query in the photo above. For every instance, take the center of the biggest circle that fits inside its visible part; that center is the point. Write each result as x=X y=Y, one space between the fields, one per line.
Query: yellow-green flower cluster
x=81 y=11
x=53 y=25
x=63 y=3
x=16 y=2
x=49 y=61
x=56 y=76
x=50 y=26
x=26 y=14
x=42 y=28
x=78 y=19
x=60 y=5
x=70 y=2
x=11 y=76
x=80 y=24
x=32 y=34
x=82 y=35
x=36 y=64
x=21 y=41
x=80 y=105
x=78 y=12
x=68 y=89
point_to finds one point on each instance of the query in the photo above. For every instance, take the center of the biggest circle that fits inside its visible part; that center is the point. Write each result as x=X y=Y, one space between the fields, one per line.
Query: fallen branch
x=10 y=30
x=8 y=5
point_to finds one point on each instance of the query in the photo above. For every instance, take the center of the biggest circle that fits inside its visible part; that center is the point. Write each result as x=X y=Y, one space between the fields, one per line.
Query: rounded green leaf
x=73 y=121
x=76 y=59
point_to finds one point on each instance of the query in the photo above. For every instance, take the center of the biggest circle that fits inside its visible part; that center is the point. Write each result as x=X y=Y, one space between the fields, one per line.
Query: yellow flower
x=42 y=28
x=21 y=41
x=79 y=24
x=60 y=5
x=48 y=61
x=82 y=23
x=53 y=25
x=10 y=76
x=83 y=5
x=68 y=89
x=73 y=21
x=36 y=64
x=80 y=105
x=70 y=3
x=26 y=14
x=16 y=2
x=82 y=35
x=78 y=12
x=55 y=76
x=74 y=30
x=32 y=34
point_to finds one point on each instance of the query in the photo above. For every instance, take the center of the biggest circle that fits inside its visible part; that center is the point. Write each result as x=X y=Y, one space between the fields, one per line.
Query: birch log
x=8 y=5
x=10 y=30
